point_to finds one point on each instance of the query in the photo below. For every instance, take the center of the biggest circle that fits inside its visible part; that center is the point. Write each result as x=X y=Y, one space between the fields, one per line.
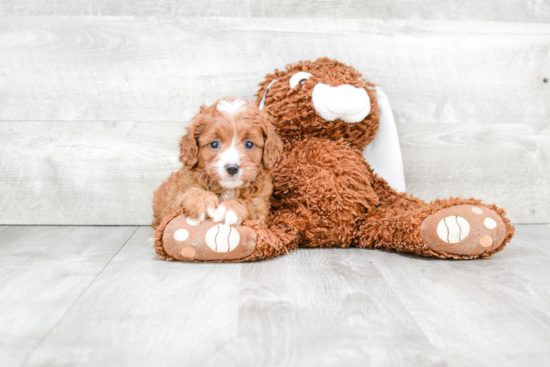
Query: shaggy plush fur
x=325 y=193
x=202 y=186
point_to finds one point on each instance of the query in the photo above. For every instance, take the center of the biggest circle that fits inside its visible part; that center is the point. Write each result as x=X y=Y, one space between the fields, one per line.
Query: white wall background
x=95 y=94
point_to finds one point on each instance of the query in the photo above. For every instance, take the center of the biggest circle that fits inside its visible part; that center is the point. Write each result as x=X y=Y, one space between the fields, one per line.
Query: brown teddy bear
x=325 y=193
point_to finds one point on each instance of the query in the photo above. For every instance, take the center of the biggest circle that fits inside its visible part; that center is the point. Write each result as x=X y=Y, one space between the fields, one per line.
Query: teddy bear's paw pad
x=463 y=230
x=188 y=240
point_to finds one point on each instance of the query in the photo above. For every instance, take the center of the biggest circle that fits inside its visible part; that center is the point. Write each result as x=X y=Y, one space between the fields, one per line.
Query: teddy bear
x=326 y=194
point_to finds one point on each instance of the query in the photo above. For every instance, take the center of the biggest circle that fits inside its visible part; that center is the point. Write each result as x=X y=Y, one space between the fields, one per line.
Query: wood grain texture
x=143 y=311
x=84 y=172
x=325 y=307
x=507 y=10
x=43 y=271
x=314 y=308
x=483 y=313
x=162 y=69
x=506 y=164
x=106 y=172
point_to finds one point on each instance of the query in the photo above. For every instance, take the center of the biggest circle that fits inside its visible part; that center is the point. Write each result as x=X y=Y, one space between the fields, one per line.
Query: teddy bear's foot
x=463 y=230
x=187 y=239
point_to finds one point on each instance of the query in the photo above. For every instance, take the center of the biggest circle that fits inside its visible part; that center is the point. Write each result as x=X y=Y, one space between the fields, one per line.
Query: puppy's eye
x=299 y=78
x=215 y=145
x=248 y=145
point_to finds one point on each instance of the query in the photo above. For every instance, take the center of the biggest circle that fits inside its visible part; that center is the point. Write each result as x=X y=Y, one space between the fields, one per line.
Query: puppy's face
x=231 y=143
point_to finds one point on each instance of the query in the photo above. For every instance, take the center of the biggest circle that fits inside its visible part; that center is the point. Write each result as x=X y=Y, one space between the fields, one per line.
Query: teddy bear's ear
x=189 y=145
x=384 y=153
x=273 y=145
x=265 y=86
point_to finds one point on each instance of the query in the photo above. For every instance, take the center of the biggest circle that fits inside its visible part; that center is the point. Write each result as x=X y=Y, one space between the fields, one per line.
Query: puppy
x=227 y=154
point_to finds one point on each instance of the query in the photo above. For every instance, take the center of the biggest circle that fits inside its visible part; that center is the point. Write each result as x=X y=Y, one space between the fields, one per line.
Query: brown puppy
x=227 y=155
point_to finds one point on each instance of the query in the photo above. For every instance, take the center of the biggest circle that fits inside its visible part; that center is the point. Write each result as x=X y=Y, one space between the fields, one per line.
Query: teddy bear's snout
x=344 y=102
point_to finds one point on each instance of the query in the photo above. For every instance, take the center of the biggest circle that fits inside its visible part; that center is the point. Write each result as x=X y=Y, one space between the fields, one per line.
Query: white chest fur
x=229 y=194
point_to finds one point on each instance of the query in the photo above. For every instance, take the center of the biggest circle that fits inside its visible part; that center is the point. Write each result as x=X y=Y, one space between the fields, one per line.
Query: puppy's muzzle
x=232 y=169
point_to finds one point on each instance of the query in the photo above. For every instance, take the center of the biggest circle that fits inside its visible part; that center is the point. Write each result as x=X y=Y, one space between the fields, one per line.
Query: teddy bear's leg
x=183 y=238
x=451 y=228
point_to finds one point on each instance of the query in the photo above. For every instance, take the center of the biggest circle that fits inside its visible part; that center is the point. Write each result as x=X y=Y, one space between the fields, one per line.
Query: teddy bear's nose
x=346 y=91
x=344 y=102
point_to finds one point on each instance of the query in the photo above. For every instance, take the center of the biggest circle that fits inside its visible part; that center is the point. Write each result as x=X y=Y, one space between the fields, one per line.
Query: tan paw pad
x=187 y=239
x=463 y=230
x=188 y=252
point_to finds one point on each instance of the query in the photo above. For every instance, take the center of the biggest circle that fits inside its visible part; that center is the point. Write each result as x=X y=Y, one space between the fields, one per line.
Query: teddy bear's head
x=322 y=98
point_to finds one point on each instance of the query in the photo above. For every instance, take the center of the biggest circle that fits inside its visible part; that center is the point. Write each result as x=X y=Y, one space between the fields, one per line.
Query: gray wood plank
x=162 y=69
x=312 y=308
x=84 y=172
x=43 y=271
x=106 y=172
x=509 y=10
x=504 y=164
x=493 y=312
x=325 y=307
x=143 y=311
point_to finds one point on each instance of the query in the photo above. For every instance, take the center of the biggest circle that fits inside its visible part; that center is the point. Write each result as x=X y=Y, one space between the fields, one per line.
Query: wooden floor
x=99 y=296
x=94 y=96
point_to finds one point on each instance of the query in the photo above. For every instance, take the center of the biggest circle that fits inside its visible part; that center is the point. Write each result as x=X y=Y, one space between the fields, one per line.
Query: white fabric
x=384 y=153
x=298 y=77
x=262 y=102
x=344 y=102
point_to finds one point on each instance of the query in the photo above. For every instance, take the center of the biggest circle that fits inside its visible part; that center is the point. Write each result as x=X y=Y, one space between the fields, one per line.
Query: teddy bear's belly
x=326 y=185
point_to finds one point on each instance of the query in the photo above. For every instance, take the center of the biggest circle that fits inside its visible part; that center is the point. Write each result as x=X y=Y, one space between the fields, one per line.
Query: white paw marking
x=453 y=229
x=181 y=235
x=489 y=223
x=222 y=238
x=231 y=218
x=193 y=221
x=211 y=212
x=477 y=210
x=219 y=214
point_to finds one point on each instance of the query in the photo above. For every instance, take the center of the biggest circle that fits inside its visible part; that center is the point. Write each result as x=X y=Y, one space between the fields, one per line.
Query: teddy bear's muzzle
x=344 y=102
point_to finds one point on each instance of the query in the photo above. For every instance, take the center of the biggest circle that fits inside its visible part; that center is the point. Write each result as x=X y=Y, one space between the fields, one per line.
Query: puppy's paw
x=219 y=214
x=230 y=212
x=199 y=203
x=231 y=218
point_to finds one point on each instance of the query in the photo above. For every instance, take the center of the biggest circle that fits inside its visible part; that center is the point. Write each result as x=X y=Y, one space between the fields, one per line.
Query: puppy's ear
x=189 y=143
x=273 y=146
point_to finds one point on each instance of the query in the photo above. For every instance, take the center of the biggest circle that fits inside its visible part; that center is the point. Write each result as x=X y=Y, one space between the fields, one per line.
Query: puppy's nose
x=232 y=169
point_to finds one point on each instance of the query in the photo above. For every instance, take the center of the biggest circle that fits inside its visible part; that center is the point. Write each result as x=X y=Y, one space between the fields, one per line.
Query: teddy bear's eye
x=299 y=78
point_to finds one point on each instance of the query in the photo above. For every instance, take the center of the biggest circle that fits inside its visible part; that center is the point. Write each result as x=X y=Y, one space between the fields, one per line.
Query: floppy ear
x=273 y=145
x=265 y=86
x=189 y=143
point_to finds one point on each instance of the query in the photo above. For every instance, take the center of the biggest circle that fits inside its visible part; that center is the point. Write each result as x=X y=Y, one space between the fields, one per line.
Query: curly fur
x=325 y=192
x=198 y=188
